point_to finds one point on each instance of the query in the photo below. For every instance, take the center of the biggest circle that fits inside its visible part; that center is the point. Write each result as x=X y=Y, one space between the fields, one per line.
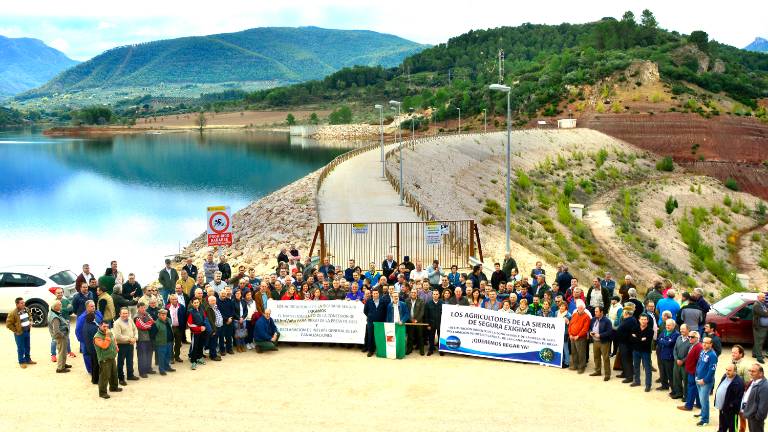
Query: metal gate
x=371 y=242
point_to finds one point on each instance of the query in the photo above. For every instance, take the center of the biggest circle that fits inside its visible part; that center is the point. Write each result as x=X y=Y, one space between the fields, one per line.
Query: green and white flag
x=390 y=340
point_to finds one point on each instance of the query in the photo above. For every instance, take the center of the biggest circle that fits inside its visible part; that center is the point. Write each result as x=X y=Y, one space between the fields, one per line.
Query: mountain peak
x=759 y=45
x=26 y=63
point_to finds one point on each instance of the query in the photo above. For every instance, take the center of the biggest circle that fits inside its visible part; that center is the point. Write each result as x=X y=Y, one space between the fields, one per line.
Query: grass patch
x=658 y=223
x=665 y=164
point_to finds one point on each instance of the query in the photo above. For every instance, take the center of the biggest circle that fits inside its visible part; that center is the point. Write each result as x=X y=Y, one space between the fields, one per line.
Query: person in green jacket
x=161 y=334
x=106 y=352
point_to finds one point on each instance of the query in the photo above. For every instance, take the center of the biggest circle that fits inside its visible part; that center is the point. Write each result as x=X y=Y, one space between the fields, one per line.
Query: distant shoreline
x=79 y=131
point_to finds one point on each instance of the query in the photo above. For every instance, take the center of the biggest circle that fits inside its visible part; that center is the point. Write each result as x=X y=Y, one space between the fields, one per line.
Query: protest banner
x=501 y=335
x=332 y=321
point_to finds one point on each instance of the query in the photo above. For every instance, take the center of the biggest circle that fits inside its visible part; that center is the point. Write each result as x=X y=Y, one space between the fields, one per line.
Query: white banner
x=506 y=336
x=332 y=321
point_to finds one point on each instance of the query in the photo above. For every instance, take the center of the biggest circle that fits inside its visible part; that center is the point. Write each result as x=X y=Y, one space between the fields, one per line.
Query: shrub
x=602 y=156
x=569 y=186
x=658 y=223
x=731 y=184
x=488 y=220
x=670 y=205
x=341 y=115
x=665 y=164
x=727 y=201
x=523 y=181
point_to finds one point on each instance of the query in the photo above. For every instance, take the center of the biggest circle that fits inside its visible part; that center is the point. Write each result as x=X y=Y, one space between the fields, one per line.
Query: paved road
x=356 y=192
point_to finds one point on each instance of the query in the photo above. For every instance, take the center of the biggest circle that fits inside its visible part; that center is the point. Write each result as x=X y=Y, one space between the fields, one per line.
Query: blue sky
x=85 y=28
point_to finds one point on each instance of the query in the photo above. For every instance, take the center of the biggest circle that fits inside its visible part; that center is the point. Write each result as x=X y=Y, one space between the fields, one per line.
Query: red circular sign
x=215 y=225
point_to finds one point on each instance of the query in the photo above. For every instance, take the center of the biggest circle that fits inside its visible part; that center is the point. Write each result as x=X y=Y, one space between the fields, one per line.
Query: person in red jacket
x=577 y=333
x=291 y=294
x=692 y=394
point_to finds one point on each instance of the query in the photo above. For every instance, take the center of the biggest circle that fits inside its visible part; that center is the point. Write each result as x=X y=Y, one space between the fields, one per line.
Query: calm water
x=67 y=201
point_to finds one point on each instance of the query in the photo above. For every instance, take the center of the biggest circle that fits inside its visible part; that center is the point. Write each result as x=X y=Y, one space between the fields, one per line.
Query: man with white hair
x=759 y=326
x=578 y=329
x=639 y=308
x=218 y=284
x=666 y=343
x=680 y=352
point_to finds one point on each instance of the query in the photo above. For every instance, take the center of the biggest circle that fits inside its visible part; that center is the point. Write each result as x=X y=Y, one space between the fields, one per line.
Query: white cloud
x=60 y=44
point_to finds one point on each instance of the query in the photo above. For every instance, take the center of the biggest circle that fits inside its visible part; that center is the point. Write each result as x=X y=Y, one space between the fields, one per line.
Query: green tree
x=700 y=38
x=341 y=115
x=647 y=20
x=201 y=121
x=313 y=119
x=290 y=120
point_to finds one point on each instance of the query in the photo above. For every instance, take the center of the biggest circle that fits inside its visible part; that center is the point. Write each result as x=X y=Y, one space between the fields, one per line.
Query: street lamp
x=413 y=127
x=507 y=90
x=381 y=134
x=459 y=118
x=485 y=121
x=397 y=104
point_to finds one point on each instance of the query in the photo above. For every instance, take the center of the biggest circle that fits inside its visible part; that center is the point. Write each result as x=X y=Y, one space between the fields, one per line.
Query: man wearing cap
x=162 y=337
x=168 y=277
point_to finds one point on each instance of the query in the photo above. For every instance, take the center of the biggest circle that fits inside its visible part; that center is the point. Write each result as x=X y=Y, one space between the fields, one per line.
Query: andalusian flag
x=390 y=340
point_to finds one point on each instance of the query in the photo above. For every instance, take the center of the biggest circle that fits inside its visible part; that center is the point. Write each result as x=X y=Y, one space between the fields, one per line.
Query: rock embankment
x=284 y=217
x=350 y=131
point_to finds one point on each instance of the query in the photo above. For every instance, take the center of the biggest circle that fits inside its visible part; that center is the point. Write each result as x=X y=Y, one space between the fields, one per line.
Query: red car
x=733 y=316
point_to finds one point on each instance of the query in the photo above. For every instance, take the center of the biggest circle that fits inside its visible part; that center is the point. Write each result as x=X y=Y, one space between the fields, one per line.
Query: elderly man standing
x=759 y=326
x=80 y=326
x=601 y=331
x=691 y=361
x=209 y=268
x=106 y=351
x=265 y=333
x=126 y=335
x=728 y=399
x=679 y=375
x=624 y=288
x=415 y=307
x=577 y=333
x=18 y=321
x=168 y=277
x=58 y=326
x=162 y=337
x=754 y=403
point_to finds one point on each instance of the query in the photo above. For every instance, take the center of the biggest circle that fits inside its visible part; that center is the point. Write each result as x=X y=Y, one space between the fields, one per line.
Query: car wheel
x=38 y=314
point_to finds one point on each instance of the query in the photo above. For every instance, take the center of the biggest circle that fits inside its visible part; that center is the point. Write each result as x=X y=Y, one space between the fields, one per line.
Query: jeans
x=566 y=353
x=692 y=395
x=125 y=357
x=225 y=337
x=645 y=357
x=144 y=353
x=53 y=346
x=704 y=398
x=23 y=347
x=163 y=353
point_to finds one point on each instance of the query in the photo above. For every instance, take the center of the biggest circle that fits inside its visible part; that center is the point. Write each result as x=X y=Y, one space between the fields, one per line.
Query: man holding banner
x=374 y=311
x=390 y=335
x=416 y=330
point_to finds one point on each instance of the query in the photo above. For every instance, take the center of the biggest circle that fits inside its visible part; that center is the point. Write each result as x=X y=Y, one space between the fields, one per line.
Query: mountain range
x=758 y=45
x=27 y=63
x=282 y=54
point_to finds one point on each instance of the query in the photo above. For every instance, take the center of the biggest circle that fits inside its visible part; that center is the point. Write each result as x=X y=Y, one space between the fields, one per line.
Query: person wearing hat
x=161 y=334
x=623 y=338
x=168 y=277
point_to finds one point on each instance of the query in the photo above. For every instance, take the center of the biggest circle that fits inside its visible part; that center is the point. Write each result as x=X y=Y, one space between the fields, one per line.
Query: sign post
x=219 y=226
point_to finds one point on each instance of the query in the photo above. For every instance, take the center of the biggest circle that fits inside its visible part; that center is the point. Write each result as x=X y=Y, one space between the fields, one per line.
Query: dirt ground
x=308 y=388
x=231 y=119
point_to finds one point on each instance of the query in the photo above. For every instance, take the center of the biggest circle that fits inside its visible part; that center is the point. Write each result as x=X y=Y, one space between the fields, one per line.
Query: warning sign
x=219 y=226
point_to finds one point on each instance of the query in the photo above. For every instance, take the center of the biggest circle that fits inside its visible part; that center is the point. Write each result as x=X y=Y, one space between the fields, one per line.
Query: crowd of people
x=217 y=313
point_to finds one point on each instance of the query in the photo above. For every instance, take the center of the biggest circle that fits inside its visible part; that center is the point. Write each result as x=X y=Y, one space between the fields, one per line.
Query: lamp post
x=397 y=104
x=485 y=121
x=381 y=134
x=413 y=128
x=507 y=90
x=459 y=118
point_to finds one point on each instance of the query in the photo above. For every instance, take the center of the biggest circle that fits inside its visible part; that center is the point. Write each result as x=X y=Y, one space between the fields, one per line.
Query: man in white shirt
x=218 y=284
x=419 y=273
x=754 y=404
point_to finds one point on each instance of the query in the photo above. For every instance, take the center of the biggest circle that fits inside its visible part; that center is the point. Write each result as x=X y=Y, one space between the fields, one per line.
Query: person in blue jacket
x=265 y=333
x=403 y=315
x=666 y=345
x=90 y=306
x=705 y=378
x=375 y=311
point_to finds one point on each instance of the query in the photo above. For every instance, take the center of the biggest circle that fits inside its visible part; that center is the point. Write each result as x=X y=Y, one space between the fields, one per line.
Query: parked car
x=733 y=316
x=37 y=284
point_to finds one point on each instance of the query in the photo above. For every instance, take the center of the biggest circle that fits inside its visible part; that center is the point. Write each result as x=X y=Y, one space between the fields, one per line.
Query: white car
x=36 y=284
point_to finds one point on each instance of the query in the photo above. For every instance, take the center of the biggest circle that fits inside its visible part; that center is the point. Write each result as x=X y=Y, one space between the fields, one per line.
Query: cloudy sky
x=85 y=28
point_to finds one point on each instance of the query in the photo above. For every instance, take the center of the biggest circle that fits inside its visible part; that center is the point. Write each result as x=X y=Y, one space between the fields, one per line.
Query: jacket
x=460 y=302
x=691 y=360
x=388 y=269
x=642 y=338
x=58 y=326
x=106 y=306
x=433 y=312
x=196 y=321
x=80 y=326
x=13 y=322
x=124 y=331
x=666 y=343
x=757 y=402
x=706 y=366
x=161 y=332
x=625 y=329
x=682 y=347
x=606 y=300
x=119 y=302
x=667 y=304
x=579 y=325
x=181 y=316
x=691 y=315
x=375 y=313
x=168 y=281
x=415 y=309
x=78 y=302
x=191 y=271
x=226 y=271
x=105 y=346
x=264 y=329
x=733 y=395
x=604 y=328
x=405 y=313
x=759 y=310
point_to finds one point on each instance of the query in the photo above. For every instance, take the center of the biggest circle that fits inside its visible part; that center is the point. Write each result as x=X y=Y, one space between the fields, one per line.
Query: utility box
x=577 y=210
x=566 y=123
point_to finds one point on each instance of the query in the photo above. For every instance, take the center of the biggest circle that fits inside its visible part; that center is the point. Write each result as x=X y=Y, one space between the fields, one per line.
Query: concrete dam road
x=356 y=192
